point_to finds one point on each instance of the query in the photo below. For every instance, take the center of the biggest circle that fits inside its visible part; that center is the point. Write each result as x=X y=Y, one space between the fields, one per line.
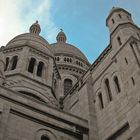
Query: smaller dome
x=35 y=28
x=61 y=37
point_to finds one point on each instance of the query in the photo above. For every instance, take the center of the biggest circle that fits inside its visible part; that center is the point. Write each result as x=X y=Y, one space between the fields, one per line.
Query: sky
x=83 y=21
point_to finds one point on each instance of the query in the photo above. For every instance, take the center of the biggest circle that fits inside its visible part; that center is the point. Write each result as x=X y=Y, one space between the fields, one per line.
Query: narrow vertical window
x=7 y=63
x=108 y=90
x=14 y=62
x=117 y=86
x=67 y=85
x=101 y=100
x=133 y=81
x=31 y=65
x=40 y=68
x=126 y=61
x=120 y=16
x=119 y=40
x=113 y=21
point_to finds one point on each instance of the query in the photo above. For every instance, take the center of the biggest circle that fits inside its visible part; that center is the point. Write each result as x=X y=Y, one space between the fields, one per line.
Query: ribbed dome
x=33 y=40
x=67 y=49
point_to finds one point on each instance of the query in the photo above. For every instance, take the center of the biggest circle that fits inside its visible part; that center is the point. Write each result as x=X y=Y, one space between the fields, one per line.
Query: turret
x=121 y=27
x=35 y=28
x=116 y=17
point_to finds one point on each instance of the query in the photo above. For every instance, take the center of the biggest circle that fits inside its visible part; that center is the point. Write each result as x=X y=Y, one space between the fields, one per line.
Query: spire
x=61 y=37
x=35 y=28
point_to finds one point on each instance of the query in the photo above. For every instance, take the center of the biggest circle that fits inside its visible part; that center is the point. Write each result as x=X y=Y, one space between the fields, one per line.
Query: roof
x=30 y=39
x=67 y=49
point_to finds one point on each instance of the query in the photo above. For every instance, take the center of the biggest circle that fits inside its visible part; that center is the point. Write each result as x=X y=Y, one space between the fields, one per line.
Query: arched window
x=14 y=62
x=119 y=40
x=31 y=65
x=7 y=63
x=40 y=68
x=101 y=100
x=117 y=86
x=108 y=90
x=65 y=59
x=67 y=85
x=43 y=137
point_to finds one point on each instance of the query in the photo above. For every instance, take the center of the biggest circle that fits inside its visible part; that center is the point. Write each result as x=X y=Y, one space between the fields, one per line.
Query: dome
x=33 y=40
x=61 y=47
x=67 y=49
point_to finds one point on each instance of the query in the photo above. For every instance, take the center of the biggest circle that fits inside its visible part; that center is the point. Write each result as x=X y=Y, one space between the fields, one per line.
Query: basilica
x=52 y=92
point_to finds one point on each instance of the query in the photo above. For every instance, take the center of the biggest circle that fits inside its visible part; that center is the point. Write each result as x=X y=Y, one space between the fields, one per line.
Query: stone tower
x=30 y=64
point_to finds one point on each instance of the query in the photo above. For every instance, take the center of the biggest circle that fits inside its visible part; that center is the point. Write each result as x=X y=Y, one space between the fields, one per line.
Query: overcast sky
x=83 y=21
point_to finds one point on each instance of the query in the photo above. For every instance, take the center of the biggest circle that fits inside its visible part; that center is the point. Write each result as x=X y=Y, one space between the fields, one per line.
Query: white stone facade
x=51 y=92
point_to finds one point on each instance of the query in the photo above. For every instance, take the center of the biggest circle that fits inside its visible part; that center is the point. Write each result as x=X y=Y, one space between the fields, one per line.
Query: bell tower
x=121 y=27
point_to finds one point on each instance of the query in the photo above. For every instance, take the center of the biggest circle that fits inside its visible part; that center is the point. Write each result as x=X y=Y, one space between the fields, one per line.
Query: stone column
x=93 y=132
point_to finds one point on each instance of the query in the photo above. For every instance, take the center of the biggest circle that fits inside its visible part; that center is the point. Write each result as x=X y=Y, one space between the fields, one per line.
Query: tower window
x=108 y=90
x=113 y=21
x=7 y=63
x=14 y=62
x=101 y=100
x=119 y=40
x=133 y=81
x=31 y=65
x=67 y=85
x=126 y=60
x=120 y=16
x=116 y=81
x=44 y=137
x=40 y=69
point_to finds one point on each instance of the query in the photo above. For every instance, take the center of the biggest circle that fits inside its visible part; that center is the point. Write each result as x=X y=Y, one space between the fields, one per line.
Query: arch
x=46 y=134
x=108 y=89
x=117 y=85
x=40 y=68
x=31 y=95
x=67 y=85
x=31 y=65
x=44 y=137
x=14 y=62
x=31 y=91
x=7 y=63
